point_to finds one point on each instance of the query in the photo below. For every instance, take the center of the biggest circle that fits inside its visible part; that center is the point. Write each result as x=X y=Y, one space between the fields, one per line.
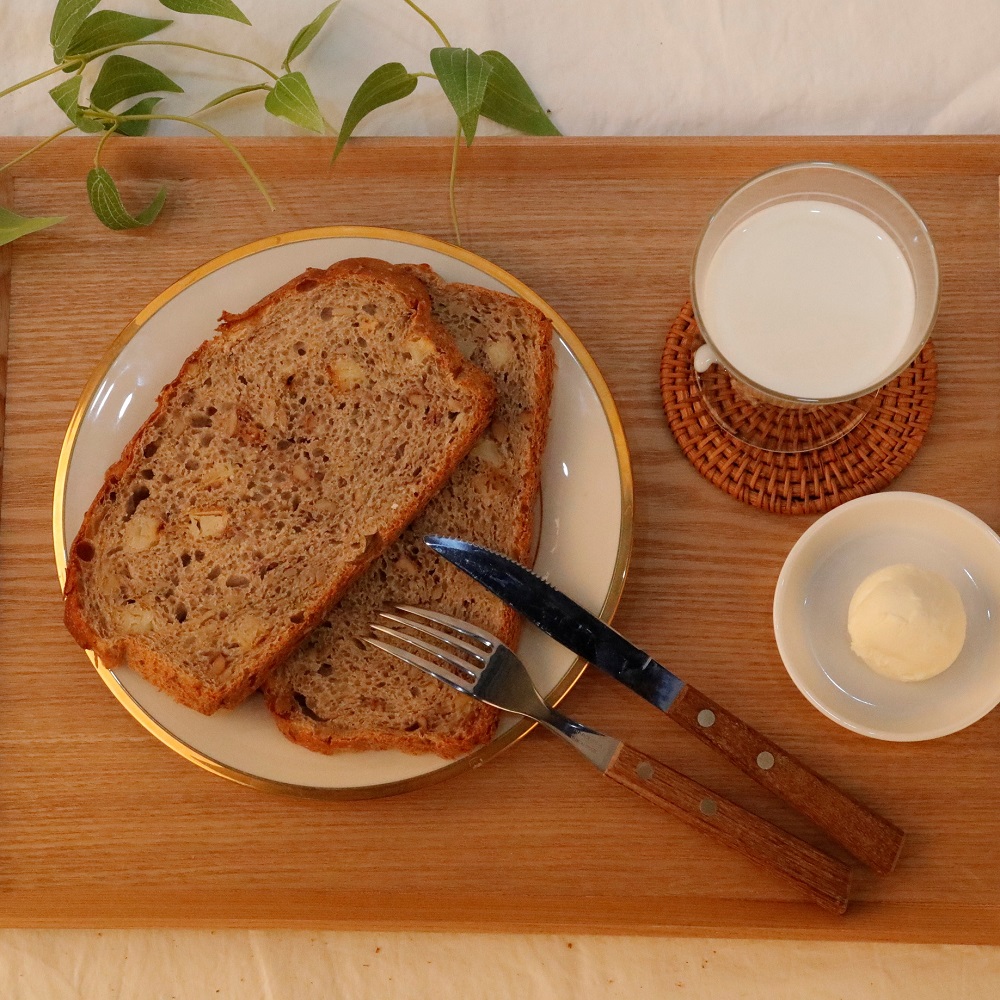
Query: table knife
x=870 y=838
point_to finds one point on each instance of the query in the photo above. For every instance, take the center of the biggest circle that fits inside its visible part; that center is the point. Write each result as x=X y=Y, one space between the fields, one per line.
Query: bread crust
x=187 y=686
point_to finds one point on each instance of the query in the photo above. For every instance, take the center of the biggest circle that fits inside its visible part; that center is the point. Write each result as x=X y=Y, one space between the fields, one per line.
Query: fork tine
x=458 y=683
x=476 y=651
x=463 y=667
x=462 y=627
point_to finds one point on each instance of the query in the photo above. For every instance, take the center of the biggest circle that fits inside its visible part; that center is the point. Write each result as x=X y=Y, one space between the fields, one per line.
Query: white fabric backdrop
x=644 y=67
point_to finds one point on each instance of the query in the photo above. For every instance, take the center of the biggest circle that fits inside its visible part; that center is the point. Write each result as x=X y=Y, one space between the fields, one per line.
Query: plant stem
x=430 y=21
x=213 y=131
x=100 y=146
x=36 y=147
x=458 y=130
x=239 y=92
x=451 y=184
x=180 y=45
x=37 y=77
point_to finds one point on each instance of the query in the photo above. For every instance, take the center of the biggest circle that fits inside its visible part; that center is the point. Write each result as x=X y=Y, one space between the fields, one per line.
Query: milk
x=809 y=299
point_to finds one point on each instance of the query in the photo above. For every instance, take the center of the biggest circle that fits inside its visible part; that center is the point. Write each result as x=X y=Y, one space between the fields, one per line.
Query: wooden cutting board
x=101 y=825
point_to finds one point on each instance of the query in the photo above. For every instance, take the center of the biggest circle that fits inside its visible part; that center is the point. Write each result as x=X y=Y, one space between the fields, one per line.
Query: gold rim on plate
x=580 y=354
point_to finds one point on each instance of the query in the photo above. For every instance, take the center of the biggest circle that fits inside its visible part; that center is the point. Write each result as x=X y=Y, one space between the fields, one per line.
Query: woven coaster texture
x=864 y=461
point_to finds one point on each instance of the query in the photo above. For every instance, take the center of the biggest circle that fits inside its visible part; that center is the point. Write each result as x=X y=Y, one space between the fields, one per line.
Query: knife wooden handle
x=823 y=879
x=867 y=836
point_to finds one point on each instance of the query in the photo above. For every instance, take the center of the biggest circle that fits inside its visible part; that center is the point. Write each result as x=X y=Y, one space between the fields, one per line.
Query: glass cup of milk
x=814 y=285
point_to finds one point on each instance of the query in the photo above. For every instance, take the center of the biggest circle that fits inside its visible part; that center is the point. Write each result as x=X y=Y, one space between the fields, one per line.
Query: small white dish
x=814 y=590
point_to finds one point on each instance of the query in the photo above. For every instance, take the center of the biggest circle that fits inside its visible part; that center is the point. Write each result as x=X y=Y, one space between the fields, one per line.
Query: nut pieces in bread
x=337 y=693
x=290 y=451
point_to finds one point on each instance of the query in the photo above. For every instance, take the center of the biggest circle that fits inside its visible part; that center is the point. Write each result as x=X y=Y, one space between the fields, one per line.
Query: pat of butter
x=906 y=623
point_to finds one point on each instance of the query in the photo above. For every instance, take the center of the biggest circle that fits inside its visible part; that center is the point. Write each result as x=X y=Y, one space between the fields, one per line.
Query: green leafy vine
x=477 y=85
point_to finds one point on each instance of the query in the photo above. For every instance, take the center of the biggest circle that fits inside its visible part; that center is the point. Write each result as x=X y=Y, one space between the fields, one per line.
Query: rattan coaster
x=864 y=461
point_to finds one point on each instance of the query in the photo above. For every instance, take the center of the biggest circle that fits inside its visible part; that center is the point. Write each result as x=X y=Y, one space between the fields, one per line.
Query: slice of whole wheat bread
x=290 y=450
x=337 y=693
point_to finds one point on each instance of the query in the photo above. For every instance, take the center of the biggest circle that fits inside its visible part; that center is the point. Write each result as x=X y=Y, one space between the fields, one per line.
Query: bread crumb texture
x=292 y=448
x=335 y=692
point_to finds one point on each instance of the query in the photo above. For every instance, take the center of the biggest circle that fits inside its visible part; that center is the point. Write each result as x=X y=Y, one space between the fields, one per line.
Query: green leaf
x=215 y=8
x=463 y=76
x=123 y=77
x=14 y=226
x=388 y=83
x=67 y=96
x=291 y=98
x=509 y=100
x=304 y=38
x=107 y=202
x=235 y=92
x=111 y=27
x=68 y=16
x=140 y=127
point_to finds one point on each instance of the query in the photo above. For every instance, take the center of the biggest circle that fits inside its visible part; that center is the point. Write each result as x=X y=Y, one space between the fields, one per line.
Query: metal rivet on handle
x=706 y=718
x=708 y=807
x=644 y=769
x=765 y=760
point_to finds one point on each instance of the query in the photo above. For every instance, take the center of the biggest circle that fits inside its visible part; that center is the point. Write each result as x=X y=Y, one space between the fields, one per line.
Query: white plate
x=586 y=527
x=814 y=590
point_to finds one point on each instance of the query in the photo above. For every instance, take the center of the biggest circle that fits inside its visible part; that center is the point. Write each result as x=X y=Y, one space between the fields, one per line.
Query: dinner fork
x=476 y=663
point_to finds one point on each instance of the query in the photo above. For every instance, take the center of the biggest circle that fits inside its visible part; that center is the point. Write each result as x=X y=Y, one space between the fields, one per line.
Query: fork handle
x=869 y=837
x=822 y=878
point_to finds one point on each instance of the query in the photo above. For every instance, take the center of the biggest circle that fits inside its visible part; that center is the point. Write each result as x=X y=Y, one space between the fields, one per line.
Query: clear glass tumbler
x=813 y=285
